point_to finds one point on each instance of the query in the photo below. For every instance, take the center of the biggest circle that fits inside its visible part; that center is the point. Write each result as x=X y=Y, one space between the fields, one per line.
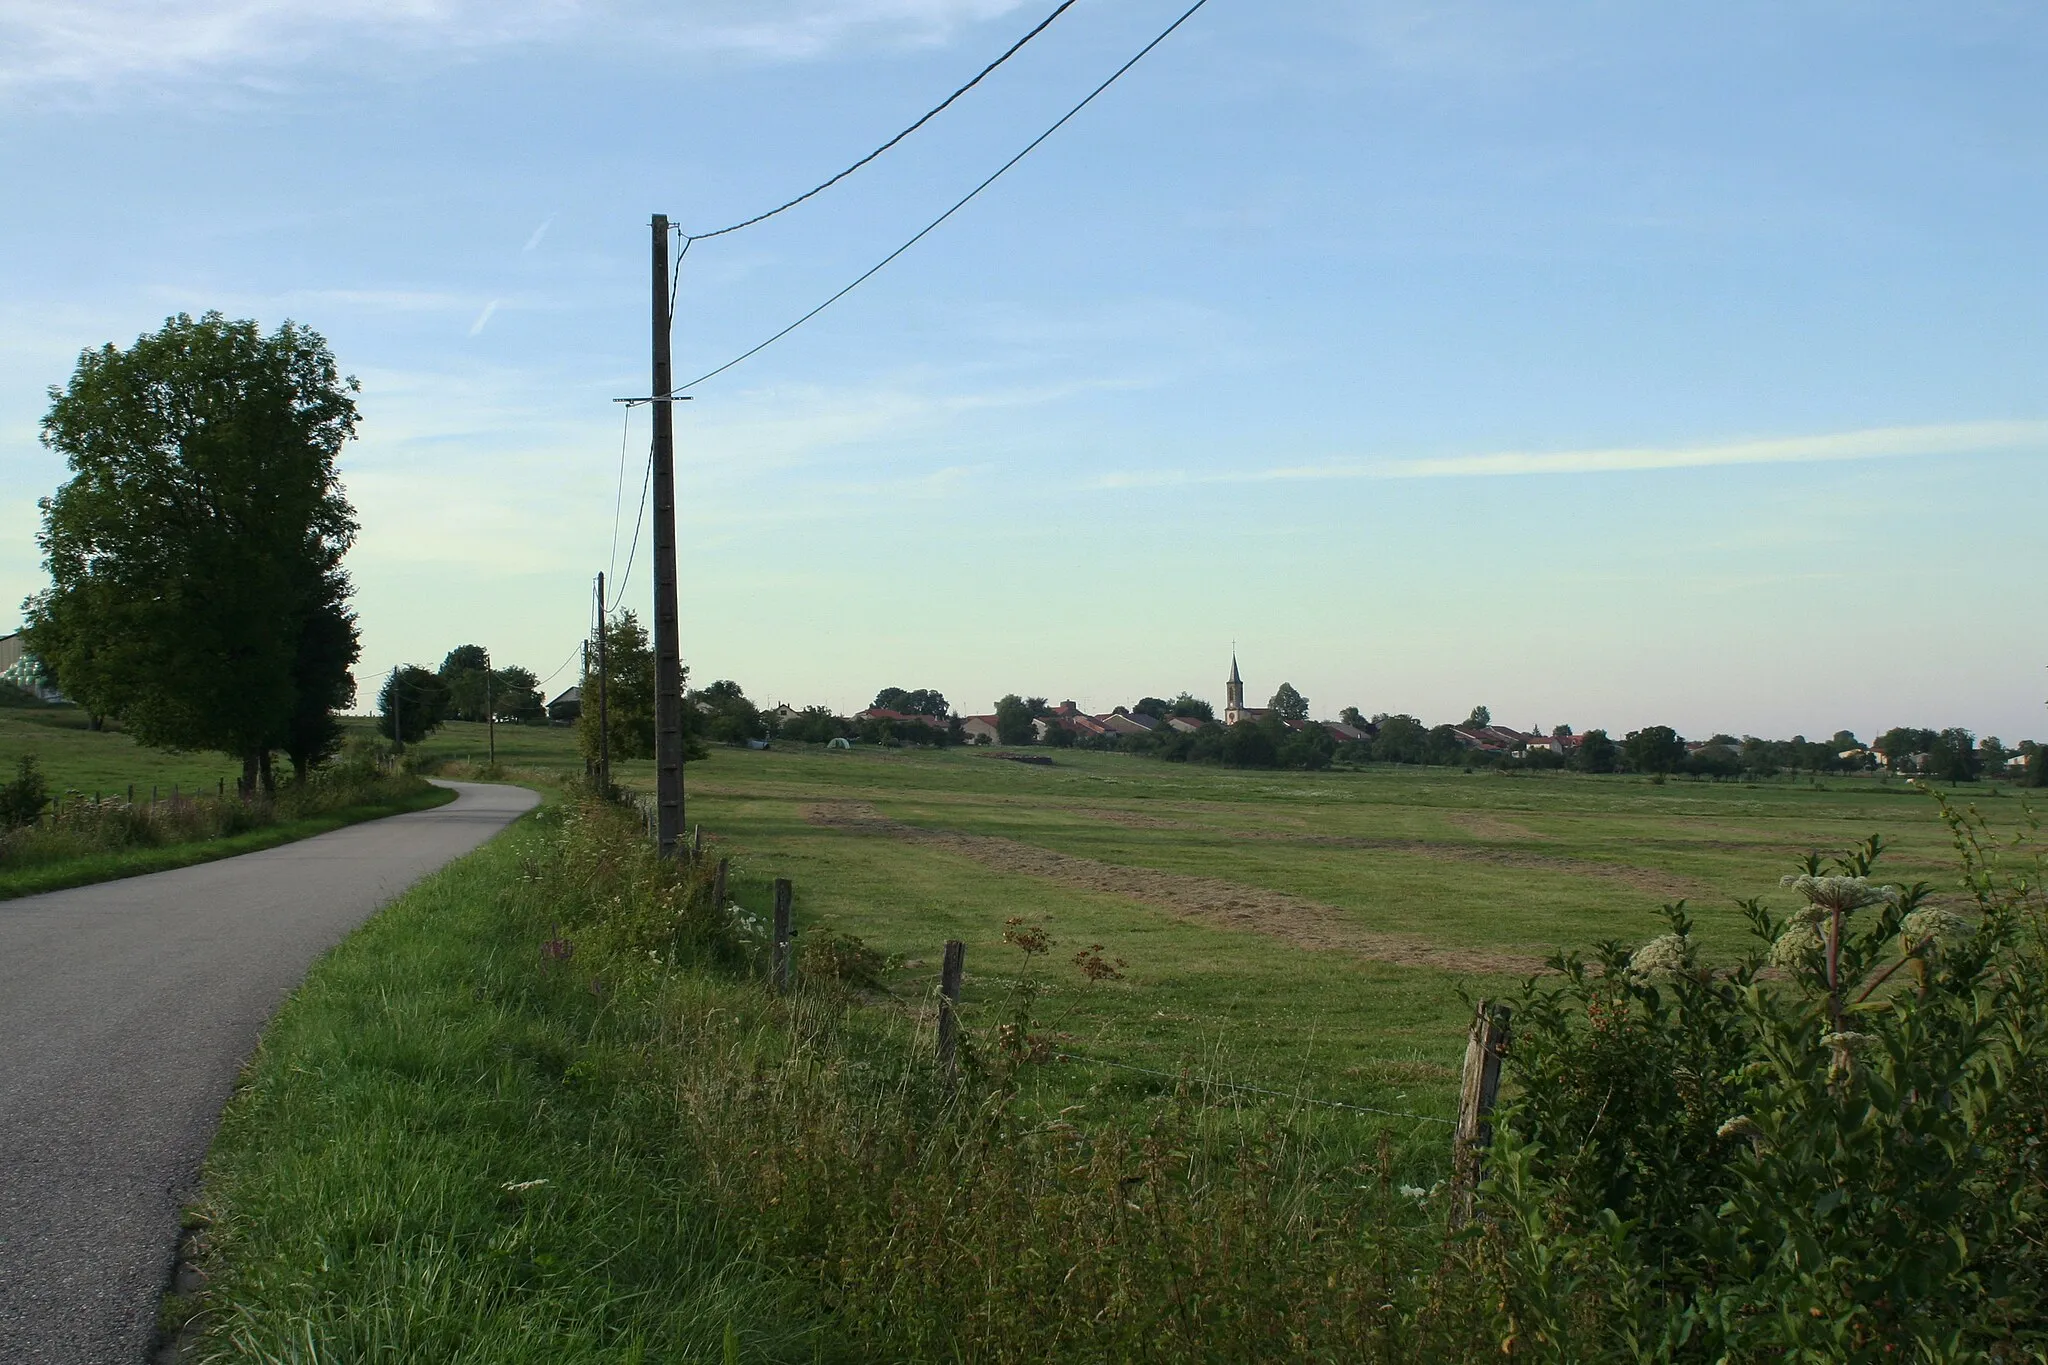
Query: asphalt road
x=126 y=1010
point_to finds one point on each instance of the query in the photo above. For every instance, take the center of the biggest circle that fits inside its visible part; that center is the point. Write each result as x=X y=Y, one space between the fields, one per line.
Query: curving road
x=126 y=1010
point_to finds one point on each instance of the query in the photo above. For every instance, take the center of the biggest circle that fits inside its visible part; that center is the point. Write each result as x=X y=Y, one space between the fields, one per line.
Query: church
x=1234 y=709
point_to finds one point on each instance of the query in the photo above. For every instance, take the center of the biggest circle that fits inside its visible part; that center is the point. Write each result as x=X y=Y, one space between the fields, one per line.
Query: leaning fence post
x=949 y=1006
x=1481 y=1084
x=779 y=964
x=697 y=843
x=718 y=885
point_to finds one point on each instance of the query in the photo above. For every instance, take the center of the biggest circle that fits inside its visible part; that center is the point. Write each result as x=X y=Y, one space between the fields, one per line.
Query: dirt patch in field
x=1131 y=819
x=1208 y=900
x=1648 y=880
x=1483 y=826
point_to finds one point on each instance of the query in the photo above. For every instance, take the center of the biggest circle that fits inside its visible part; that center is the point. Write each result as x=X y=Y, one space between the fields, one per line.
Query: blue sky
x=1606 y=364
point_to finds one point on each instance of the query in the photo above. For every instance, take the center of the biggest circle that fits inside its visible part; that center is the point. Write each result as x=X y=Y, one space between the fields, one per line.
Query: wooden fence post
x=949 y=1005
x=131 y=793
x=1481 y=1084
x=697 y=843
x=779 y=964
x=718 y=901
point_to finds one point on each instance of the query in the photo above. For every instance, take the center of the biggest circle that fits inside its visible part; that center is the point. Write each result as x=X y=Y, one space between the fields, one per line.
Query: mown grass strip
x=136 y=862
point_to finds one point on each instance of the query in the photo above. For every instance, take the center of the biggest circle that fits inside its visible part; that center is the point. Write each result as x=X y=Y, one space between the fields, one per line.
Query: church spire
x=1233 y=693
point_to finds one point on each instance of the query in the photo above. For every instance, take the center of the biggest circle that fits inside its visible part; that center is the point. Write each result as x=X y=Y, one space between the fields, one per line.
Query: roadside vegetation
x=546 y=1108
x=54 y=837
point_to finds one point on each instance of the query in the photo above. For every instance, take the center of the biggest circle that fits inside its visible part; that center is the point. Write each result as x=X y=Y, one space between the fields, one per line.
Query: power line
x=933 y=113
x=960 y=204
x=619 y=498
x=638 y=517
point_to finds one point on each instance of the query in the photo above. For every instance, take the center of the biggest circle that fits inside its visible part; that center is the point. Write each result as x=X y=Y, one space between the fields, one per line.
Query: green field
x=77 y=759
x=1287 y=929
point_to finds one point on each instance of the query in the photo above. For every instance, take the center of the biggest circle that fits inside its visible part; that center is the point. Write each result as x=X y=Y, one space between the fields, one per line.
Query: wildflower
x=1741 y=1126
x=1842 y=894
x=521 y=1186
x=1662 y=958
x=1928 y=924
x=1414 y=1192
x=1797 y=945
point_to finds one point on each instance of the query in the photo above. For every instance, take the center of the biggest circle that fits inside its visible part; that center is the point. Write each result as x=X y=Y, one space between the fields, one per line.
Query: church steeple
x=1233 y=691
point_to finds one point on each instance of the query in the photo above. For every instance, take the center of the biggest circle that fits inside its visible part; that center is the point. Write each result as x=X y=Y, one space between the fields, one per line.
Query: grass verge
x=542 y=1109
x=136 y=862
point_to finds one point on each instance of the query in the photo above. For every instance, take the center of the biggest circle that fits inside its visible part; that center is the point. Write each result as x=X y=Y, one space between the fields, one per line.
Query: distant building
x=23 y=669
x=1234 y=709
x=566 y=709
x=981 y=730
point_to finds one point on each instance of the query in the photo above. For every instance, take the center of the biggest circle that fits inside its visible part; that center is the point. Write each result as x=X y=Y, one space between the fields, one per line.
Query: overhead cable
x=931 y=114
x=633 y=552
x=958 y=205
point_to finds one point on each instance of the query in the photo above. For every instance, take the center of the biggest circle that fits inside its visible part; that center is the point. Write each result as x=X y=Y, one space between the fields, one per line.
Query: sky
x=1607 y=365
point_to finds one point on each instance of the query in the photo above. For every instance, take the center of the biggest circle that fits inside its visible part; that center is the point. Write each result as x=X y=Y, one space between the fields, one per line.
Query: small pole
x=779 y=966
x=604 y=682
x=491 y=706
x=697 y=844
x=152 y=793
x=949 y=1020
x=718 y=885
x=1484 y=1048
x=223 y=788
x=131 y=793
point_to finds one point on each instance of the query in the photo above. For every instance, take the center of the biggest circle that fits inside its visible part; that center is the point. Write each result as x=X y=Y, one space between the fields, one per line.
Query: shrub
x=1827 y=1152
x=22 y=800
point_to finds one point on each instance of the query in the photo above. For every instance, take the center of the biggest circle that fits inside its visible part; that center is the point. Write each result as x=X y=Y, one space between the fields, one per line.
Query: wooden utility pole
x=668 y=664
x=604 y=712
x=397 y=728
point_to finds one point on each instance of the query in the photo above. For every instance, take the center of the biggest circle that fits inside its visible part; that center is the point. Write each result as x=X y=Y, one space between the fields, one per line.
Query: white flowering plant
x=1827 y=1149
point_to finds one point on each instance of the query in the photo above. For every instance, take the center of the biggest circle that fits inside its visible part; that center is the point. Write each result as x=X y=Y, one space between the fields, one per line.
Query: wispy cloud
x=538 y=233
x=483 y=318
x=124 y=46
x=1954 y=438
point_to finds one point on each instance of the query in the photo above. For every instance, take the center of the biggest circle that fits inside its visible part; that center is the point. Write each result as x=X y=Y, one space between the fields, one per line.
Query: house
x=1187 y=725
x=981 y=730
x=1346 y=734
x=566 y=709
x=1124 y=723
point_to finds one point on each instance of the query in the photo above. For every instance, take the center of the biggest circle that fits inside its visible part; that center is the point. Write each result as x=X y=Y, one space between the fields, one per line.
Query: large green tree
x=629 y=698
x=1289 y=704
x=194 y=554
x=1654 y=749
x=412 y=704
x=1013 y=719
